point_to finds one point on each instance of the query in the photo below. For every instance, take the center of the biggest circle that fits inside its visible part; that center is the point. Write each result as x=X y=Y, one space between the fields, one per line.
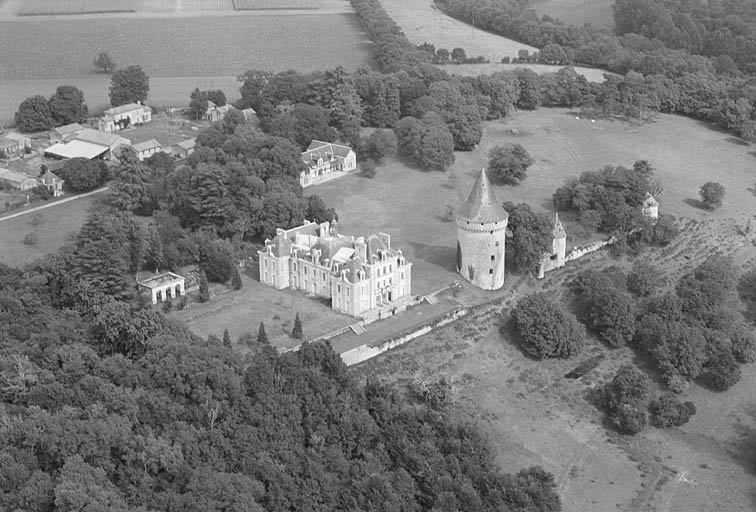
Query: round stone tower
x=481 y=233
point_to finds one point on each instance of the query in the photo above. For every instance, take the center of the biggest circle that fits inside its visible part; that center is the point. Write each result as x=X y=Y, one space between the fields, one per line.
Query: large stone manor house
x=363 y=277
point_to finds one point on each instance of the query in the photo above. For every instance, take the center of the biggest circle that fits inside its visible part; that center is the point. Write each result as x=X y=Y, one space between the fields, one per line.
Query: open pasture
x=52 y=226
x=254 y=5
x=64 y=7
x=422 y=22
x=578 y=12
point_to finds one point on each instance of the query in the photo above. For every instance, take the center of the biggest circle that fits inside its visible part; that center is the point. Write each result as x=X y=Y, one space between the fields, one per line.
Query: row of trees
x=667 y=80
x=65 y=106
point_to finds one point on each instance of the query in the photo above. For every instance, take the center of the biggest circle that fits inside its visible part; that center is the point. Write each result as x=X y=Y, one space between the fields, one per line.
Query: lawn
x=53 y=227
x=591 y=74
x=48 y=7
x=577 y=12
x=242 y=311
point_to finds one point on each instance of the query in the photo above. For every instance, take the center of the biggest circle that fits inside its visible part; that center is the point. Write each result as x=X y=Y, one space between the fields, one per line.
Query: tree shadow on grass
x=439 y=256
x=737 y=141
x=695 y=203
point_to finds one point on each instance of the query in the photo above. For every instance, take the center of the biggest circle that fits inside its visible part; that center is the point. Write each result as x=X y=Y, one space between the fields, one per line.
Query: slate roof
x=559 y=231
x=49 y=178
x=16 y=136
x=187 y=144
x=13 y=176
x=8 y=143
x=352 y=266
x=146 y=145
x=482 y=205
x=68 y=128
x=114 y=111
x=320 y=149
x=100 y=138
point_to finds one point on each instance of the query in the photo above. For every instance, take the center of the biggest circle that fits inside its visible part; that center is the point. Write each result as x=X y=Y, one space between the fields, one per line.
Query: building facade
x=481 y=235
x=558 y=256
x=326 y=161
x=16 y=180
x=650 y=207
x=164 y=287
x=124 y=116
x=363 y=277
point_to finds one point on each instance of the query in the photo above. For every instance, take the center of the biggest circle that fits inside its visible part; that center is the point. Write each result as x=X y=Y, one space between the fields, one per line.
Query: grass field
x=578 y=12
x=242 y=311
x=528 y=411
x=253 y=5
x=421 y=23
x=53 y=227
x=48 y=7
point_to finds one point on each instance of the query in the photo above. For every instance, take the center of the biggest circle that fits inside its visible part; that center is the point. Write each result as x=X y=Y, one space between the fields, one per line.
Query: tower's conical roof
x=559 y=231
x=482 y=205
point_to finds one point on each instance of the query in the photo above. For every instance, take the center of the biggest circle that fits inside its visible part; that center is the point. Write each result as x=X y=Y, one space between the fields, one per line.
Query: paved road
x=50 y=205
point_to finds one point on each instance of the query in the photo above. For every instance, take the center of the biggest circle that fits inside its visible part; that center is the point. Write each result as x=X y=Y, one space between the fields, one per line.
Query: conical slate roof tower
x=481 y=234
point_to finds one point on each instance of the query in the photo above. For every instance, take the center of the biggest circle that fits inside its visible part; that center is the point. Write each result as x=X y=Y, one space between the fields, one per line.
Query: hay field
x=422 y=22
x=578 y=12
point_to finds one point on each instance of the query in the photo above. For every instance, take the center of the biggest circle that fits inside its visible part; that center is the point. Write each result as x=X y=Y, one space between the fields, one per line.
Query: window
x=497 y=243
x=323 y=276
x=493 y=257
x=347 y=290
x=490 y=271
x=338 y=288
x=305 y=270
x=390 y=269
x=401 y=275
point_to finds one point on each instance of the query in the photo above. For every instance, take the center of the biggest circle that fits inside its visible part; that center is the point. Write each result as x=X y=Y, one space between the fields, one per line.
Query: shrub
x=722 y=372
x=643 y=278
x=626 y=399
x=667 y=411
x=508 y=164
x=368 y=168
x=546 y=328
x=31 y=239
x=296 y=331
x=631 y=417
x=712 y=194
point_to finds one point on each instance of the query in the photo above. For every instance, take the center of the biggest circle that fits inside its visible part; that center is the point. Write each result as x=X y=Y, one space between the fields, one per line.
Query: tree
x=712 y=194
x=67 y=105
x=129 y=85
x=368 y=168
x=626 y=399
x=104 y=62
x=667 y=411
x=508 y=164
x=217 y=96
x=262 y=337
x=458 y=55
x=296 y=332
x=226 y=339
x=82 y=175
x=33 y=115
x=318 y=211
x=607 y=308
x=204 y=290
x=643 y=278
x=546 y=328
x=531 y=236
x=236 y=281
x=198 y=104
x=381 y=144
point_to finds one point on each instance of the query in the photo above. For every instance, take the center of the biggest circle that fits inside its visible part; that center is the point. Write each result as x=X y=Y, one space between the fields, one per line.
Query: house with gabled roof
x=13 y=145
x=64 y=133
x=16 y=180
x=52 y=182
x=147 y=148
x=215 y=113
x=363 y=277
x=124 y=116
x=326 y=161
x=183 y=149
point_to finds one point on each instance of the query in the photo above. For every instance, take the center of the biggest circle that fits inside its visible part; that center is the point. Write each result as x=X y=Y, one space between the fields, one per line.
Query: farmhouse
x=183 y=149
x=64 y=133
x=164 y=286
x=16 y=180
x=146 y=148
x=13 y=146
x=365 y=278
x=326 y=161
x=89 y=144
x=119 y=118
x=52 y=182
x=215 y=113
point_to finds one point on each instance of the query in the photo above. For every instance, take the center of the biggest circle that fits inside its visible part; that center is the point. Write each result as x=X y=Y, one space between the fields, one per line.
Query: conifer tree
x=296 y=332
x=204 y=290
x=226 y=338
x=236 y=282
x=262 y=337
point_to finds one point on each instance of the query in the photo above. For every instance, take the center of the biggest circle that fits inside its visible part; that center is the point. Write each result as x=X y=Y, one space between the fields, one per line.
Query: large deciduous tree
x=33 y=115
x=712 y=194
x=546 y=328
x=67 y=105
x=508 y=164
x=104 y=62
x=129 y=85
x=531 y=235
x=82 y=175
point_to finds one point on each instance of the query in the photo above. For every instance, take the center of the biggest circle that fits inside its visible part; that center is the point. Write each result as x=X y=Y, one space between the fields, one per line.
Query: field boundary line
x=50 y=205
